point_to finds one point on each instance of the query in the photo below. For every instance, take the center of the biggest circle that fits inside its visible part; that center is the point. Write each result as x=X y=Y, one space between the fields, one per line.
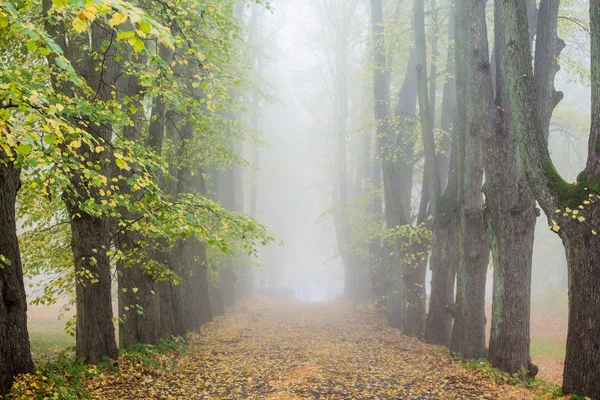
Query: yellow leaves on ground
x=265 y=349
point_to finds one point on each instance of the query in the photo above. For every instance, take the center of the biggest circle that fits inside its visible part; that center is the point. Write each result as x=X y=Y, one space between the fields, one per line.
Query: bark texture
x=15 y=354
x=138 y=314
x=582 y=363
x=444 y=252
x=91 y=235
x=468 y=333
x=510 y=215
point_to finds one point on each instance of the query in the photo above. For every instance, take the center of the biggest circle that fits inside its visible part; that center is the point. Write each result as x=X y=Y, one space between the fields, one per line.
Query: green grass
x=48 y=339
x=552 y=349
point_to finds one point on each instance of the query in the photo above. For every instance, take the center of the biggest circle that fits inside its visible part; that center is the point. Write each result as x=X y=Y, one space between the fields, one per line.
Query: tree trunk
x=468 y=333
x=171 y=308
x=95 y=332
x=559 y=199
x=582 y=362
x=196 y=308
x=444 y=253
x=416 y=256
x=91 y=235
x=341 y=196
x=511 y=217
x=444 y=261
x=138 y=314
x=431 y=166
x=15 y=354
x=394 y=211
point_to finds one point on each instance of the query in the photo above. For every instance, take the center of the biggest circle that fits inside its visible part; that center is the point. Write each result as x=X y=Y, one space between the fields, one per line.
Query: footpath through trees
x=268 y=349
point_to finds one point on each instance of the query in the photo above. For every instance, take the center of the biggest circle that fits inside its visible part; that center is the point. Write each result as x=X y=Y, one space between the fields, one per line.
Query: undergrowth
x=65 y=378
x=544 y=388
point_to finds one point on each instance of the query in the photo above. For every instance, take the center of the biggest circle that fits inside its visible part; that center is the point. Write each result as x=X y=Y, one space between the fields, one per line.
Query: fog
x=296 y=169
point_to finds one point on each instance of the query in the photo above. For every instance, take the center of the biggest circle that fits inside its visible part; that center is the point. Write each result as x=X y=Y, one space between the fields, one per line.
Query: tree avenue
x=135 y=135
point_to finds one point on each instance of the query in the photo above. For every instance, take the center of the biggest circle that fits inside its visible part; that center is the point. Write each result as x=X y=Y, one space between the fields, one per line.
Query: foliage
x=68 y=379
x=544 y=389
x=49 y=131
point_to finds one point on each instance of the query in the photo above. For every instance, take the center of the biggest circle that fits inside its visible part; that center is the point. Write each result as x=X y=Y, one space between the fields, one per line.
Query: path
x=289 y=350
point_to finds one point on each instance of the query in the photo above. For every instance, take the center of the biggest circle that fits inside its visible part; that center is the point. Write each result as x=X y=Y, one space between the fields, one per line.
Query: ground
x=267 y=349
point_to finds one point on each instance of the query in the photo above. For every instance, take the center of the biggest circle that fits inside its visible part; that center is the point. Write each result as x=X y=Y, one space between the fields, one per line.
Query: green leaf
x=24 y=149
x=50 y=139
x=3 y=21
x=145 y=26
x=136 y=43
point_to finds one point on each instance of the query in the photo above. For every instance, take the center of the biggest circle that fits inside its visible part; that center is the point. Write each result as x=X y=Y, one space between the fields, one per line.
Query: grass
x=47 y=337
x=552 y=349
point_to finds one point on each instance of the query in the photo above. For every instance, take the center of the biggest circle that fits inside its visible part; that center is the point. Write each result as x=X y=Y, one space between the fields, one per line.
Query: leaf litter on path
x=271 y=349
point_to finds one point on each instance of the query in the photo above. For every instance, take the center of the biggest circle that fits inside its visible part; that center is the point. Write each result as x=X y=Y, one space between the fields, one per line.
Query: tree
x=15 y=355
x=572 y=208
x=468 y=332
x=444 y=253
x=394 y=212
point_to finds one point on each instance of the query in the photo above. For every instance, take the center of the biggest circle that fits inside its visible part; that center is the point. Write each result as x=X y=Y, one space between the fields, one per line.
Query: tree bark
x=511 y=217
x=444 y=253
x=582 y=363
x=15 y=353
x=91 y=235
x=138 y=314
x=468 y=333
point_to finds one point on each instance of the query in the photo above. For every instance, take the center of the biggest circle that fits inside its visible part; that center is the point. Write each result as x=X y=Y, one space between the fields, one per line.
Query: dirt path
x=272 y=350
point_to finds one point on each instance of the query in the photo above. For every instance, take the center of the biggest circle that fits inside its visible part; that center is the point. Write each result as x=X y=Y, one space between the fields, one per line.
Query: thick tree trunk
x=196 y=308
x=91 y=235
x=511 y=217
x=415 y=268
x=468 y=333
x=95 y=332
x=171 y=308
x=138 y=314
x=444 y=261
x=196 y=296
x=15 y=354
x=444 y=252
x=577 y=231
x=582 y=362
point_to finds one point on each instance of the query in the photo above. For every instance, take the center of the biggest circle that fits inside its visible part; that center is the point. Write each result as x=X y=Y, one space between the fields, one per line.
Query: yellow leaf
x=134 y=290
x=76 y=144
x=117 y=19
x=89 y=12
x=80 y=25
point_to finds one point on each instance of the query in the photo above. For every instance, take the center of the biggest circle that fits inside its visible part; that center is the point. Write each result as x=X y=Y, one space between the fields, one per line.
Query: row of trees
x=481 y=161
x=118 y=145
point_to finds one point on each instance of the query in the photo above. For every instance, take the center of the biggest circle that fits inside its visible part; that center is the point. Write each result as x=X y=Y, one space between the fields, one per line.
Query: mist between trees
x=162 y=160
